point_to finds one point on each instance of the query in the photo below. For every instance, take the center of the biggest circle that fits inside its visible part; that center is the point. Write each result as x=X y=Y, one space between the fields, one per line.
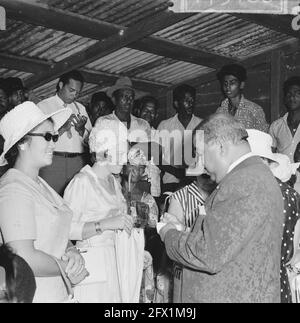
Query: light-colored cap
x=121 y=83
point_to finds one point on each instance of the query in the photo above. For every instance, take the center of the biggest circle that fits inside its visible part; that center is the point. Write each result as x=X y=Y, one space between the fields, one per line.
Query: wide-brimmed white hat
x=261 y=145
x=121 y=83
x=22 y=119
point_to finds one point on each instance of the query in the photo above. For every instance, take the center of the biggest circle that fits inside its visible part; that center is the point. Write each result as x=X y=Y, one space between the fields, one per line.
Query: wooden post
x=276 y=77
x=170 y=109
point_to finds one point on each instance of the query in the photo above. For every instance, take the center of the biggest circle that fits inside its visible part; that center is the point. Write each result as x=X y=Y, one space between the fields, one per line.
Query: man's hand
x=67 y=127
x=79 y=123
x=163 y=231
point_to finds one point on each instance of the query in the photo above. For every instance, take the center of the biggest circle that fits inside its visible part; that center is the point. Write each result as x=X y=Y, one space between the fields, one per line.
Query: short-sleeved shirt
x=283 y=140
x=139 y=131
x=250 y=114
x=71 y=143
x=170 y=151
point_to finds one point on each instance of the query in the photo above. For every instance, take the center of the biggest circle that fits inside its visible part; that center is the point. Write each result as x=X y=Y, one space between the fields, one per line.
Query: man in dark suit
x=233 y=253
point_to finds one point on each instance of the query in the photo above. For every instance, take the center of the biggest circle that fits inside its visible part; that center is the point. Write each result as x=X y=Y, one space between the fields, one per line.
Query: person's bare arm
x=42 y=264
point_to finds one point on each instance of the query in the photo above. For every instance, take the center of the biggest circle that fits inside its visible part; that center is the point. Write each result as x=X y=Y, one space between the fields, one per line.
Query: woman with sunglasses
x=34 y=220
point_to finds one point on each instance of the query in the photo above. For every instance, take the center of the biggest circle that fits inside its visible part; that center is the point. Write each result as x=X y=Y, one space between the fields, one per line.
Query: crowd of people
x=98 y=203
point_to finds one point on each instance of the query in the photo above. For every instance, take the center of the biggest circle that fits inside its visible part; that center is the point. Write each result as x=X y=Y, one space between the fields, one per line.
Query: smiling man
x=70 y=151
x=232 y=79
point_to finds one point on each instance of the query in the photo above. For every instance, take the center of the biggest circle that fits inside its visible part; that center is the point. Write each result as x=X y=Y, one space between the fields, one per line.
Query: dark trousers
x=63 y=169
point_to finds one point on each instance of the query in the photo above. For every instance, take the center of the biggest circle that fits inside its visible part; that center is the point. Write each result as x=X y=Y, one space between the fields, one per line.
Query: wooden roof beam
x=42 y=15
x=106 y=47
x=29 y=65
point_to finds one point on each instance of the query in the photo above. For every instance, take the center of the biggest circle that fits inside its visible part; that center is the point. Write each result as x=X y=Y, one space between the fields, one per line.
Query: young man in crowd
x=181 y=125
x=148 y=110
x=70 y=151
x=16 y=91
x=232 y=79
x=286 y=131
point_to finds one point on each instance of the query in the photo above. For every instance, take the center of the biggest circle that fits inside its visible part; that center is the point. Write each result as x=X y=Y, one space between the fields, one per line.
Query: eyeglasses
x=47 y=136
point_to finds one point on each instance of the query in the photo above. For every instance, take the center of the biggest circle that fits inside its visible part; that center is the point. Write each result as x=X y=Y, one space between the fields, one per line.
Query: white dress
x=90 y=200
x=29 y=211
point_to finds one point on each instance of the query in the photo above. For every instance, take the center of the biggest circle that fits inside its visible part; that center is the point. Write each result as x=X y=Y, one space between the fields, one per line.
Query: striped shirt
x=190 y=200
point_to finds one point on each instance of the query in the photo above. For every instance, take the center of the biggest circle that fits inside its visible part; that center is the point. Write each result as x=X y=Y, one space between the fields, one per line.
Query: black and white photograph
x=149 y=154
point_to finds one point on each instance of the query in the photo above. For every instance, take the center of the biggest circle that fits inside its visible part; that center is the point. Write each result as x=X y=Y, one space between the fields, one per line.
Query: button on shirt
x=66 y=143
x=139 y=130
x=250 y=114
x=170 y=151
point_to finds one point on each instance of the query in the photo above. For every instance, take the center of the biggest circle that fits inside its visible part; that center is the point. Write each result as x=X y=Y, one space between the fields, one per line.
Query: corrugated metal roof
x=122 y=61
x=13 y=73
x=175 y=72
x=221 y=34
x=121 y=12
x=224 y=35
x=39 y=42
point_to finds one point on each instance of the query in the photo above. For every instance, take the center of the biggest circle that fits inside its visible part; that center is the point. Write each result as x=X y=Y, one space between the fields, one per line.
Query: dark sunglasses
x=47 y=136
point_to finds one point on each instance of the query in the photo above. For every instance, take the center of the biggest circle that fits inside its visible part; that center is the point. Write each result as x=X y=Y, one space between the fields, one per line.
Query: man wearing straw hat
x=122 y=94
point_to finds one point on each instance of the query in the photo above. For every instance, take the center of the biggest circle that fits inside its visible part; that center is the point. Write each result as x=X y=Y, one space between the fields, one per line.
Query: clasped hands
x=75 y=269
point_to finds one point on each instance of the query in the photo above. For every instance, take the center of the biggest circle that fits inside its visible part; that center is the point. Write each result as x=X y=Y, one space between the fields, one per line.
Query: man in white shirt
x=122 y=94
x=286 y=131
x=70 y=152
x=180 y=127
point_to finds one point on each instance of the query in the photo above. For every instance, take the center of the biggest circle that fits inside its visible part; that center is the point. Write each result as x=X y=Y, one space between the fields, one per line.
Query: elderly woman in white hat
x=100 y=209
x=282 y=169
x=34 y=219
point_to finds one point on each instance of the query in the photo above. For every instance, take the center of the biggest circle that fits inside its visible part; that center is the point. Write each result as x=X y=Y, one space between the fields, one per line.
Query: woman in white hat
x=100 y=209
x=34 y=219
x=282 y=169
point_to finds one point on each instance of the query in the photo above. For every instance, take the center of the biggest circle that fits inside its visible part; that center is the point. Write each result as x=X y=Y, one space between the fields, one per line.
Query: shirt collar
x=60 y=101
x=239 y=161
x=242 y=101
x=132 y=117
x=178 y=121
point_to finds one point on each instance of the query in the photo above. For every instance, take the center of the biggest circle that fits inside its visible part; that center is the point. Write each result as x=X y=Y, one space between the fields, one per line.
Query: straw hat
x=22 y=119
x=121 y=83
